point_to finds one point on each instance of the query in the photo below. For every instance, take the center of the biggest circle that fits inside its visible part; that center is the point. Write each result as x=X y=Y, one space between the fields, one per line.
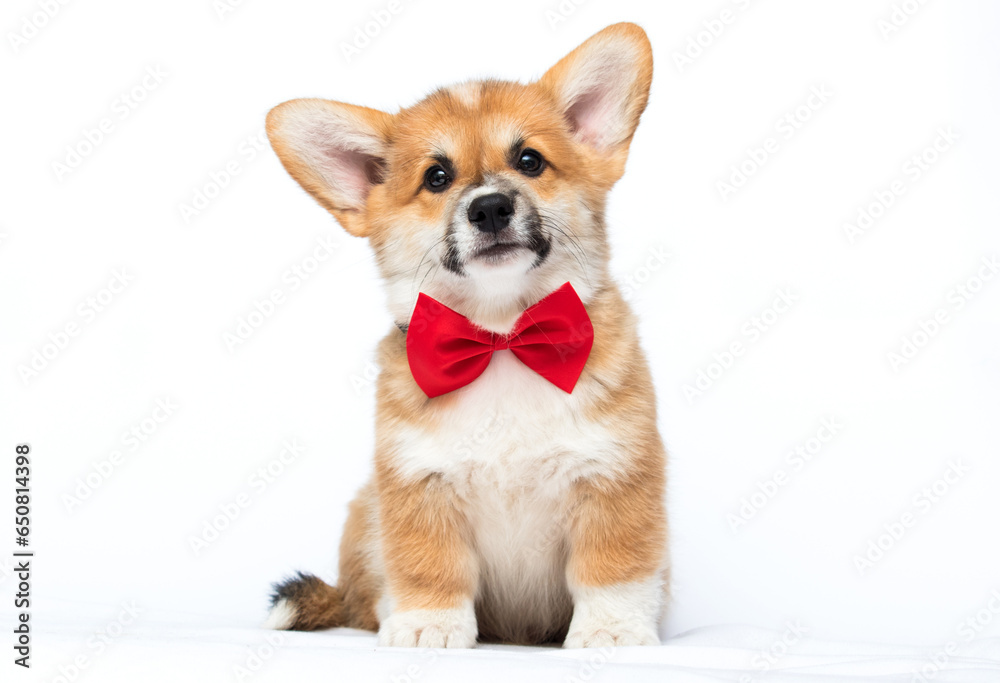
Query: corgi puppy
x=519 y=477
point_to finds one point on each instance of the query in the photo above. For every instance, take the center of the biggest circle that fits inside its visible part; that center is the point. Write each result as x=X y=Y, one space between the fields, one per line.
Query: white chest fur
x=510 y=431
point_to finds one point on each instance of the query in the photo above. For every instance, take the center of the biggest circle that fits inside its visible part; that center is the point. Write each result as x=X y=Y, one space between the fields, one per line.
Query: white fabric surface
x=162 y=649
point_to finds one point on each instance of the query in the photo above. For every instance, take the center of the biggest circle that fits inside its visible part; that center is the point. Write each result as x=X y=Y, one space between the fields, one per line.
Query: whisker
x=421 y=263
x=433 y=269
x=566 y=230
x=572 y=243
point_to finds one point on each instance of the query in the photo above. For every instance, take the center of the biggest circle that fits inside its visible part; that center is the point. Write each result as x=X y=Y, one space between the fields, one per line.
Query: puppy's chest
x=512 y=434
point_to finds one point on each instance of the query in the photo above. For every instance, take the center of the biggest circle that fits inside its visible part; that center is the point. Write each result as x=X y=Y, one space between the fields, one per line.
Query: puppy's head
x=488 y=195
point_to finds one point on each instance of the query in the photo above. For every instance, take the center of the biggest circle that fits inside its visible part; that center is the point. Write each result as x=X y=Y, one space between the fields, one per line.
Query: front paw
x=615 y=616
x=429 y=628
x=611 y=634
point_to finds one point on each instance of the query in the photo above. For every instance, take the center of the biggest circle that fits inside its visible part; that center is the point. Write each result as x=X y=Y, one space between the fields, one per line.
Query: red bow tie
x=446 y=351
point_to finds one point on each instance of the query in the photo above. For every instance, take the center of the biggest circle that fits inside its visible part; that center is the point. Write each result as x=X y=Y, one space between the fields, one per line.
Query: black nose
x=491 y=212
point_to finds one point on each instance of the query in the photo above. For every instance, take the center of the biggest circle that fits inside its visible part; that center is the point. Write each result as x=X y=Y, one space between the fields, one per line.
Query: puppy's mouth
x=498 y=251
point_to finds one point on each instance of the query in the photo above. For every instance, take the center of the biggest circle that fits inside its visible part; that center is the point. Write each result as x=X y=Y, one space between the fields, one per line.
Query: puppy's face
x=486 y=196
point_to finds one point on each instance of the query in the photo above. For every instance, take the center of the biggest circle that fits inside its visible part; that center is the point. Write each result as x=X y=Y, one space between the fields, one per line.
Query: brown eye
x=436 y=179
x=530 y=163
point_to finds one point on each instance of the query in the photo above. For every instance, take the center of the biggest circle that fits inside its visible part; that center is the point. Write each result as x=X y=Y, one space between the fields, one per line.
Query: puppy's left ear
x=603 y=85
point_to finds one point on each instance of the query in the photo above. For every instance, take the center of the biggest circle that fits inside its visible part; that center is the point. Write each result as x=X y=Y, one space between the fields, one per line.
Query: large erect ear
x=603 y=85
x=336 y=151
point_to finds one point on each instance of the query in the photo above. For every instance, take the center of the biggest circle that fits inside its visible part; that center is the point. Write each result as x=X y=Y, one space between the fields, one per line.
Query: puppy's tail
x=305 y=603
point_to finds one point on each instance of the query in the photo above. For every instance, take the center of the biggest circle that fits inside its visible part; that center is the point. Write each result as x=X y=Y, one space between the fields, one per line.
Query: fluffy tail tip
x=281 y=617
x=304 y=603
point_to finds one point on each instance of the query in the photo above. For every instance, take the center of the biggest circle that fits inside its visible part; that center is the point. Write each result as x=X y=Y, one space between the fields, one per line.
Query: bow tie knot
x=501 y=342
x=446 y=351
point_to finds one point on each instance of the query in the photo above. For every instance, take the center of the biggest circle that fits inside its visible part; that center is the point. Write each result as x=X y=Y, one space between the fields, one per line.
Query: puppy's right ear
x=335 y=151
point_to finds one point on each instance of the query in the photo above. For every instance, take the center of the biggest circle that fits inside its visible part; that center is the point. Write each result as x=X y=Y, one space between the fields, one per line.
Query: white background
x=300 y=375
